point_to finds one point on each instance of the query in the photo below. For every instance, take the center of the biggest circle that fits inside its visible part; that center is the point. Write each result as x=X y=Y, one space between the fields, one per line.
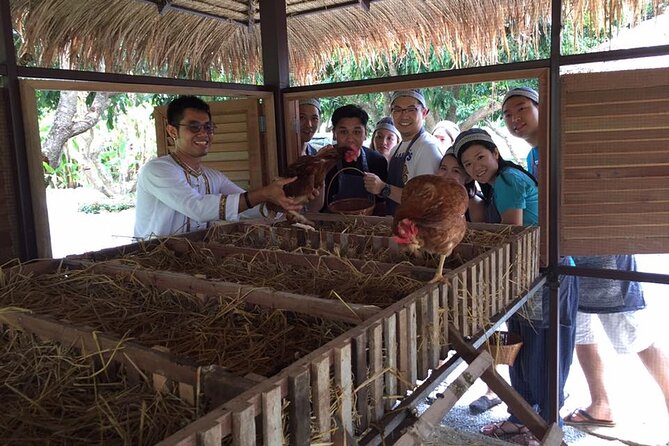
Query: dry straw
x=52 y=392
x=76 y=35
x=223 y=331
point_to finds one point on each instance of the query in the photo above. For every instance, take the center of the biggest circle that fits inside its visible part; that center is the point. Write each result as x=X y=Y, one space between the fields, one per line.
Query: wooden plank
x=506 y=268
x=360 y=371
x=376 y=370
x=495 y=286
x=229 y=146
x=650 y=120
x=403 y=350
x=313 y=306
x=272 y=427
x=445 y=292
x=299 y=394
x=268 y=141
x=210 y=437
x=320 y=388
x=643 y=144
x=223 y=128
x=604 y=220
x=653 y=195
x=580 y=247
x=620 y=160
x=630 y=108
x=586 y=209
x=344 y=411
x=613 y=135
x=473 y=296
x=616 y=232
x=207 y=430
x=227 y=117
x=433 y=330
x=486 y=292
x=615 y=173
x=42 y=234
x=390 y=345
x=224 y=166
x=604 y=185
x=412 y=332
x=588 y=92
x=226 y=156
x=424 y=426
x=244 y=425
x=423 y=340
x=255 y=157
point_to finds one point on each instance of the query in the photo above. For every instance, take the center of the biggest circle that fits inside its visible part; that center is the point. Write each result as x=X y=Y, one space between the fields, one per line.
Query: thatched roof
x=189 y=38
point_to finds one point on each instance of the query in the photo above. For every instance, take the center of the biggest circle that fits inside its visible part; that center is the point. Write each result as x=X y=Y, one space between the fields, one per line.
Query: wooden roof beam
x=165 y=5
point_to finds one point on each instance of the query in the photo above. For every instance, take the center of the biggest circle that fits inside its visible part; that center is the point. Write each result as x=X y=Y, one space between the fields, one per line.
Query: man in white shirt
x=419 y=153
x=176 y=193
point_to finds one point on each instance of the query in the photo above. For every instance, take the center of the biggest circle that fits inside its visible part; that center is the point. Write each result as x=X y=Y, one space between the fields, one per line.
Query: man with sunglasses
x=418 y=153
x=176 y=193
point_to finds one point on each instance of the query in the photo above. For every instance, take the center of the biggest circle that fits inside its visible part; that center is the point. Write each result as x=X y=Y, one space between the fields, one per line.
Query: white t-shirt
x=172 y=198
x=426 y=155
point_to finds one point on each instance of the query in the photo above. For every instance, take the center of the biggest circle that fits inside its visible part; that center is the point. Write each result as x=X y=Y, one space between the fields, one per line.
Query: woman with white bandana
x=385 y=137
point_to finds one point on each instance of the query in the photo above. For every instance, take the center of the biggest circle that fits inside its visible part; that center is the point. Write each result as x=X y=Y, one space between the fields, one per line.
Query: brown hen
x=310 y=172
x=431 y=217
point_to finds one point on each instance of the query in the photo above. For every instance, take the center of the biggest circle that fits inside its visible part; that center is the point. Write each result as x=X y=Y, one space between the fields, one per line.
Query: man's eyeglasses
x=197 y=127
x=400 y=110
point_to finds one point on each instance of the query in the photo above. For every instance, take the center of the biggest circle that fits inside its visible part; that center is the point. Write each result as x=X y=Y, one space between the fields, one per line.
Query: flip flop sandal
x=503 y=429
x=586 y=419
x=482 y=404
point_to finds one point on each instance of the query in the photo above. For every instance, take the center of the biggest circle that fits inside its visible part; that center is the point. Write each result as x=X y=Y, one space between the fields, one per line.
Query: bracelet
x=246 y=200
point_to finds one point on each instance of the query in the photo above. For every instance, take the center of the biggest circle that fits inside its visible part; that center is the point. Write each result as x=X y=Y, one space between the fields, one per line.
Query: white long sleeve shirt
x=173 y=198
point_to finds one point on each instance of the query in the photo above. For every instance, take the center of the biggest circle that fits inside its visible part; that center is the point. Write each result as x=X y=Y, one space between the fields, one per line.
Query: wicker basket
x=504 y=347
x=352 y=206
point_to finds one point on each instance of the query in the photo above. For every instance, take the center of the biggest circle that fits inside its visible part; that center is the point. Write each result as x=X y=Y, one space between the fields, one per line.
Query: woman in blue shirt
x=511 y=195
x=508 y=189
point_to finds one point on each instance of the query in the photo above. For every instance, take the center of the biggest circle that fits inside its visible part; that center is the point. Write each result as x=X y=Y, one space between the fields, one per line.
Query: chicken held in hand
x=310 y=172
x=431 y=217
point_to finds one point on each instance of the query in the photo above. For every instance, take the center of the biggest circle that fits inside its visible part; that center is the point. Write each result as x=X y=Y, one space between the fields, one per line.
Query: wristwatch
x=385 y=192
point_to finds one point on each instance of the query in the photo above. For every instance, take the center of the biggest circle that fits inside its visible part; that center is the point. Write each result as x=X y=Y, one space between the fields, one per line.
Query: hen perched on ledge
x=431 y=217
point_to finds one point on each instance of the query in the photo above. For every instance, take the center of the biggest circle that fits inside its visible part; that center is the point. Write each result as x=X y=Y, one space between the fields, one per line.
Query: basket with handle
x=504 y=347
x=350 y=206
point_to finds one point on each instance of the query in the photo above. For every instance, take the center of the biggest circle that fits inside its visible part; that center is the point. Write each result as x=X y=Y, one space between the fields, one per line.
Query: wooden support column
x=276 y=72
x=27 y=248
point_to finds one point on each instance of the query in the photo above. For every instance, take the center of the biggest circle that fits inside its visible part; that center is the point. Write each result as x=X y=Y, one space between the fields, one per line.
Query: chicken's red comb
x=352 y=154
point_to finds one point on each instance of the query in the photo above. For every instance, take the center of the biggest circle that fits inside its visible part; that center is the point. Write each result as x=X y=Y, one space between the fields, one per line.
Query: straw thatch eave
x=193 y=38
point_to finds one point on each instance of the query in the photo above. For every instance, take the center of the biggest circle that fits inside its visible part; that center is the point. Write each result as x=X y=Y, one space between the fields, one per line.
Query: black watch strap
x=385 y=192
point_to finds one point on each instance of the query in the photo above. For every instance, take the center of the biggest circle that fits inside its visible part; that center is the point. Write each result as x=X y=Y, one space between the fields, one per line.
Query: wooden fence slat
x=343 y=414
x=271 y=416
x=423 y=326
x=360 y=373
x=320 y=388
x=412 y=332
x=390 y=345
x=403 y=342
x=299 y=395
x=243 y=425
x=433 y=345
x=376 y=369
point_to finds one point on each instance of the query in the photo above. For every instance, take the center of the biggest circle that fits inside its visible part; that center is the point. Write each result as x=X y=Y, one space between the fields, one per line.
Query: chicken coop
x=284 y=335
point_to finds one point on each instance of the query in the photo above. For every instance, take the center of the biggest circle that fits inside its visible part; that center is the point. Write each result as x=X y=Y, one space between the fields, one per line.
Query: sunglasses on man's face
x=196 y=127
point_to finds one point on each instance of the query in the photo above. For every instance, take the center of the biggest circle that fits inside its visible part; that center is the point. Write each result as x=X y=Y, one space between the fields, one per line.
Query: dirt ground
x=636 y=399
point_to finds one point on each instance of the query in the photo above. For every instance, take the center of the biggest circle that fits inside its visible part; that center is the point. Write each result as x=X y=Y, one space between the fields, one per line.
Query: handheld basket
x=504 y=347
x=350 y=206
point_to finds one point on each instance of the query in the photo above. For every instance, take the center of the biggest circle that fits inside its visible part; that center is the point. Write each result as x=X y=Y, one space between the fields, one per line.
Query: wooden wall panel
x=236 y=146
x=9 y=235
x=615 y=163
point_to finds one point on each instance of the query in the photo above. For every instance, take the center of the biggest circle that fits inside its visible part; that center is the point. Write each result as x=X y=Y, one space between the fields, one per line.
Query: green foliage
x=97 y=207
x=66 y=175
